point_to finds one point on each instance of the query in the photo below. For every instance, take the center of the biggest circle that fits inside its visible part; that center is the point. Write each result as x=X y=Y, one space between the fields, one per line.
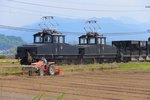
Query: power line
x=77 y=33
x=96 y=4
x=126 y=33
x=18 y=28
x=18 y=9
x=76 y=9
x=35 y=12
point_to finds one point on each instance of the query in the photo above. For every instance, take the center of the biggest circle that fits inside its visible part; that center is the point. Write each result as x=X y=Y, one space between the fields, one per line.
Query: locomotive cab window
x=83 y=41
x=61 y=39
x=55 y=39
x=47 y=38
x=58 y=39
x=38 y=39
x=91 y=40
x=101 y=40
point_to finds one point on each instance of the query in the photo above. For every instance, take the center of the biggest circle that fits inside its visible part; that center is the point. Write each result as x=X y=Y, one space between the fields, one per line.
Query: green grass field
x=11 y=65
x=131 y=66
x=139 y=66
x=10 y=71
x=9 y=62
x=88 y=67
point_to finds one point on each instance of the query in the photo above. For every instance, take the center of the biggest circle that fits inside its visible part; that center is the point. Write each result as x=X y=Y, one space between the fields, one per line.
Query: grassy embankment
x=12 y=66
x=134 y=66
x=131 y=66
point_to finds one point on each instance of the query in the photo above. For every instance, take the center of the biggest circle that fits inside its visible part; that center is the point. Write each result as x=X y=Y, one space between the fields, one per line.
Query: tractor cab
x=92 y=38
x=49 y=36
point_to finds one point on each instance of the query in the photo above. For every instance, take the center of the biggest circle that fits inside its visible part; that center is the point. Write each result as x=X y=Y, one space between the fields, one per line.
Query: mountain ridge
x=8 y=44
x=73 y=28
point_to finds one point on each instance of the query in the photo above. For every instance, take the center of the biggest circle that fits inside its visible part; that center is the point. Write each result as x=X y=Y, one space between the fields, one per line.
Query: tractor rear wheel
x=51 y=70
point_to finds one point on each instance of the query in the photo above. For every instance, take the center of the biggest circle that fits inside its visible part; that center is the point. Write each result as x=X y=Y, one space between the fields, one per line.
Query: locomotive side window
x=55 y=39
x=38 y=39
x=101 y=41
x=98 y=41
x=47 y=38
x=83 y=40
x=91 y=40
x=61 y=39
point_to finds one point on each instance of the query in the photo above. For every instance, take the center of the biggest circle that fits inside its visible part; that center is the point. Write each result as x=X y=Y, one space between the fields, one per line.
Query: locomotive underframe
x=76 y=59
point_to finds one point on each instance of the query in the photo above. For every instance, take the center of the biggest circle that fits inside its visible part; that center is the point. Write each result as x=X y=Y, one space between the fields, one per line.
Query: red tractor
x=42 y=68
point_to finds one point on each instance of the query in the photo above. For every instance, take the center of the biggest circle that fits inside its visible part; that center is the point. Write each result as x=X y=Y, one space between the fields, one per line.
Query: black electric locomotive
x=51 y=44
x=92 y=47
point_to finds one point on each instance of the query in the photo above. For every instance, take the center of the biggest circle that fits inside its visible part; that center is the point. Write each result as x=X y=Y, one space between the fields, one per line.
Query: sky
x=24 y=12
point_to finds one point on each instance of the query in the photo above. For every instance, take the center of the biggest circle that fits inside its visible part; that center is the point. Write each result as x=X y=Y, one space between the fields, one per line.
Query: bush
x=2 y=57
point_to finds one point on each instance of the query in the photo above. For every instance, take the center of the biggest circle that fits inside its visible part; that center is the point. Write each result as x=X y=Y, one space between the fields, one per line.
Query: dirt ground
x=78 y=86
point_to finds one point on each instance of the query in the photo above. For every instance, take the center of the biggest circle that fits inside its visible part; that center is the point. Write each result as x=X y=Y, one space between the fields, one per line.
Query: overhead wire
x=77 y=33
x=67 y=8
x=35 y=12
x=43 y=13
x=76 y=9
x=93 y=3
x=18 y=28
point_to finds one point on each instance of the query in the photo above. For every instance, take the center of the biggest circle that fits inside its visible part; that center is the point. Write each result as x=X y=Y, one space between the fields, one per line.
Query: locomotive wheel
x=24 y=61
x=41 y=72
x=30 y=73
x=52 y=70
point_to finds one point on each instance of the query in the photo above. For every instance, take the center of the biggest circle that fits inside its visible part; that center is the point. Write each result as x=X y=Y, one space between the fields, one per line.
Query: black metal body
x=132 y=50
x=50 y=44
x=92 y=48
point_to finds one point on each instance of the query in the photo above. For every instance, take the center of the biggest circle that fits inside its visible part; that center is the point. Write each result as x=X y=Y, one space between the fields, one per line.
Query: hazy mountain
x=73 y=28
x=9 y=43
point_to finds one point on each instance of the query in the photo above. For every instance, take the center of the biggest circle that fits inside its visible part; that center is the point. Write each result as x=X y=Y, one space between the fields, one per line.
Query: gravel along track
x=78 y=86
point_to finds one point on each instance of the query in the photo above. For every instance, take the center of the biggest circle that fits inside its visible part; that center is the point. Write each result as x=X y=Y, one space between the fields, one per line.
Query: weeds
x=41 y=97
x=60 y=97
x=37 y=97
x=10 y=71
x=89 y=67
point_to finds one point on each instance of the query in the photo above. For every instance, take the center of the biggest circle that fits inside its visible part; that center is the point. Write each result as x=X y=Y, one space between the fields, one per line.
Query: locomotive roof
x=48 y=32
x=128 y=41
x=91 y=34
